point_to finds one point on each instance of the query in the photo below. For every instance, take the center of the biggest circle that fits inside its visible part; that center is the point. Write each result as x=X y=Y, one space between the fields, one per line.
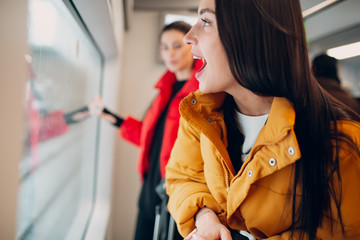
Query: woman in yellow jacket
x=262 y=151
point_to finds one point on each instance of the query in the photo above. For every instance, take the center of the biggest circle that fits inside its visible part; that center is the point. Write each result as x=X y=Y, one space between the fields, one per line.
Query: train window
x=172 y=17
x=57 y=170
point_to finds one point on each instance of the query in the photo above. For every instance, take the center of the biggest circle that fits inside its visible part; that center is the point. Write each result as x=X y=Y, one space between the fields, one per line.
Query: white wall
x=140 y=71
x=13 y=16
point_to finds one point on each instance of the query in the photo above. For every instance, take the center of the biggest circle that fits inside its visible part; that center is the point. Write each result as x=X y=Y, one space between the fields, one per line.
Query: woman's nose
x=171 y=51
x=188 y=38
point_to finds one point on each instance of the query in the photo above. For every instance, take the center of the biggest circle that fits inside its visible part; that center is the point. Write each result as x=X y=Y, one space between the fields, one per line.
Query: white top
x=250 y=127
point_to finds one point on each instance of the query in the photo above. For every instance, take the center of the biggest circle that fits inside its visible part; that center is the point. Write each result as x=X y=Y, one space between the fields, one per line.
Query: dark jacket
x=334 y=88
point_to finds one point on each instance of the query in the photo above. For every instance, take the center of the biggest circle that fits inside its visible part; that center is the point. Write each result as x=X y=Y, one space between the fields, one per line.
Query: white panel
x=140 y=72
x=96 y=15
x=13 y=16
x=334 y=19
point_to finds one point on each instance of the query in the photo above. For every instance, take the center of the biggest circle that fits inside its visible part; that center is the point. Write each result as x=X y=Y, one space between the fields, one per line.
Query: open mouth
x=201 y=70
x=204 y=64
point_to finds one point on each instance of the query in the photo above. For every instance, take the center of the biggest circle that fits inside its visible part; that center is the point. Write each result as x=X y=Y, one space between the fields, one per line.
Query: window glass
x=57 y=171
x=172 y=17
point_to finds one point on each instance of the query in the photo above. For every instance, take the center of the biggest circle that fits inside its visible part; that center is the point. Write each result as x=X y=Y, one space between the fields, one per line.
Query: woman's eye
x=177 y=46
x=206 y=23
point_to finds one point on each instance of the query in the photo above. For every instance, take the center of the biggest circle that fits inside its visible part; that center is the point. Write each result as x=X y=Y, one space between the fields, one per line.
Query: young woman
x=156 y=133
x=262 y=151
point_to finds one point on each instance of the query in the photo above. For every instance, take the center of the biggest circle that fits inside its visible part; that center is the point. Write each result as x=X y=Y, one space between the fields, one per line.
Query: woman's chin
x=171 y=67
x=204 y=89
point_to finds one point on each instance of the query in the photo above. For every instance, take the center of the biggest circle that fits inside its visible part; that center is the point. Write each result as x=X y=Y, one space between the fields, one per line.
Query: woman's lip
x=196 y=56
x=201 y=70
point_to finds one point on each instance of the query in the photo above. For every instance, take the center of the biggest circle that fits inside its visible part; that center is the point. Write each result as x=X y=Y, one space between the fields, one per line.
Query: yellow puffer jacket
x=255 y=199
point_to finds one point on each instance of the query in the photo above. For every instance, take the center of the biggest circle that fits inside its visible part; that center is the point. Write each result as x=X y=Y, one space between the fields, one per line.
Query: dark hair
x=267 y=52
x=178 y=25
x=325 y=66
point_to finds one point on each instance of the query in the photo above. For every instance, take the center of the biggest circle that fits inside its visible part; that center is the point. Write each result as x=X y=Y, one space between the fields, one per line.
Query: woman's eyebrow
x=205 y=10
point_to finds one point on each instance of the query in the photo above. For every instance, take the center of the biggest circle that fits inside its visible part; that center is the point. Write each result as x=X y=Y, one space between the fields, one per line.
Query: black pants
x=145 y=228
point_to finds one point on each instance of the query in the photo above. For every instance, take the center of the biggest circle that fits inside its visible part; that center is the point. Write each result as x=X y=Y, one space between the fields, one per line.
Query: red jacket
x=141 y=133
x=42 y=128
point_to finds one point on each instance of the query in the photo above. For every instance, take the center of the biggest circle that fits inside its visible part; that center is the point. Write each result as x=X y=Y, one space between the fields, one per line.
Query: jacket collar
x=281 y=119
x=168 y=79
x=278 y=128
x=200 y=105
x=281 y=116
x=203 y=110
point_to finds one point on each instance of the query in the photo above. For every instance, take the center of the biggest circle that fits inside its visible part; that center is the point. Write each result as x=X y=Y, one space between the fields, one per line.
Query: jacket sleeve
x=130 y=130
x=53 y=125
x=350 y=194
x=185 y=180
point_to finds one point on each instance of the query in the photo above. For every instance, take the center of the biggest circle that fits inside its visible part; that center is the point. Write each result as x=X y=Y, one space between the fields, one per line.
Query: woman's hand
x=208 y=227
x=96 y=106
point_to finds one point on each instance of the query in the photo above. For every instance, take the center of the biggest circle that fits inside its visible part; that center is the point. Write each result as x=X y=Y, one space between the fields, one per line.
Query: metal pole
x=171 y=228
x=157 y=223
x=320 y=7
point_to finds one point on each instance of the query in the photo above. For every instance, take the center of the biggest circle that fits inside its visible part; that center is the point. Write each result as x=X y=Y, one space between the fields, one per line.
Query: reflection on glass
x=43 y=23
x=58 y=165
x=190 y=19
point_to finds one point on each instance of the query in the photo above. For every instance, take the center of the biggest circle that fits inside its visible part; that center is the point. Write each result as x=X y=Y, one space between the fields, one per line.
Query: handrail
x=320 y=7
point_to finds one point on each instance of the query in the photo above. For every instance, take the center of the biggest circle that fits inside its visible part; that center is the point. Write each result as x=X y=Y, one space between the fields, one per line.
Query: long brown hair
x=265 y=44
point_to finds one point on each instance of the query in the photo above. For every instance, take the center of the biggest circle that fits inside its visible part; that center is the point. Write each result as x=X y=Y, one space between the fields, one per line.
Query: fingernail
x=190 y=234
x=194 y=231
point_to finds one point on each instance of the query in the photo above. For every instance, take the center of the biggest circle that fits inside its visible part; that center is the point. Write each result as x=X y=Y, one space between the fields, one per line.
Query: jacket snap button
x=272 y=162
x=250 y=173
x=193 y=101
x=291 y=151
x=228 y=189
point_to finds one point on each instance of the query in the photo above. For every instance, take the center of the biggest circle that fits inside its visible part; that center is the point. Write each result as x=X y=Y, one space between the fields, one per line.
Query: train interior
x=80 y=181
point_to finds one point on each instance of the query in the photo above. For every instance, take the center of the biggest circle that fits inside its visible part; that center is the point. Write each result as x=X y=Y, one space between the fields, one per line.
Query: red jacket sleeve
x=53 y=125
x=130 y=130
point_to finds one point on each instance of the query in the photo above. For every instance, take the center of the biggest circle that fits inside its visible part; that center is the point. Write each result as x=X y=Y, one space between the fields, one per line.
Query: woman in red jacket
x=156 y=133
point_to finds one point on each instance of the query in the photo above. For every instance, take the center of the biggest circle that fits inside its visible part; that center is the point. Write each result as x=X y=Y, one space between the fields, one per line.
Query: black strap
x=69 y=116
x=118 y=119
x=236 y=235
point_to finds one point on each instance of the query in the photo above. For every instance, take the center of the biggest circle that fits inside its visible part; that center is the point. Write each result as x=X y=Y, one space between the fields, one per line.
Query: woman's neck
x=183 y=75
x=251 y=104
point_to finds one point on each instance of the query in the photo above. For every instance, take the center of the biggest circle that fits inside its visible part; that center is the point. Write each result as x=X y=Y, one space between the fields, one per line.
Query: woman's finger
x=189 y=237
